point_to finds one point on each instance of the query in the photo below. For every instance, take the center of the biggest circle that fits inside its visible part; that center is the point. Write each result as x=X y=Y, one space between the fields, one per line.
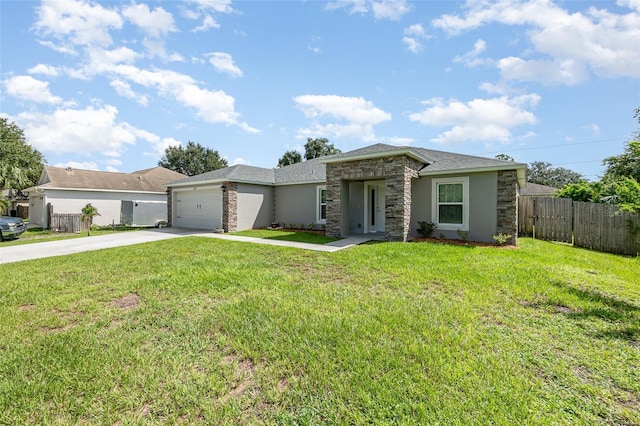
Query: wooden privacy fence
x=595 y=226
x=67 y=222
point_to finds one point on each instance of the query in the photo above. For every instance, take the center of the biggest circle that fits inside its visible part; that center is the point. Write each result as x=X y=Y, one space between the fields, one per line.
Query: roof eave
x=60 y=188
x=521 y=171
x=306 y=182
x=371 y=155
x=215 y=182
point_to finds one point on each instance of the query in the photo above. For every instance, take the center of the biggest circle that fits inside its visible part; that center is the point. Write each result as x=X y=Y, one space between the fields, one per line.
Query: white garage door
x=198 y=209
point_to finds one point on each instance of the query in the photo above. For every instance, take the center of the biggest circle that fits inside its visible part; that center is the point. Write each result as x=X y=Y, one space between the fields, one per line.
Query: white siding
x=107 y=203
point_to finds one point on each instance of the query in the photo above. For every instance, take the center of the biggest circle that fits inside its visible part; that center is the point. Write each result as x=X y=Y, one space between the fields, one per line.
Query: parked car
x=11 y=227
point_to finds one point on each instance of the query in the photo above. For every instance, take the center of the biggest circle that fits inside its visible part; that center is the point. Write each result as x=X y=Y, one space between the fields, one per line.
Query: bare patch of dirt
x=561 y=309
x=130 y=301
x=29 y=307
x=283 y=385
x=243 y=375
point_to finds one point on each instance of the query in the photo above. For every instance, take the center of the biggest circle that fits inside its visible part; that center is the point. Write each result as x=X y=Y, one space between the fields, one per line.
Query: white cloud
x=124 y=89
x=223 y=62
x=568 y=45
x=82 y=131
x=208 y=22
x=77 y=22
x=154 y=23
x=569 y=71
x=27 y=88
x=397 y=140
x=470 y=59
x=355 y=116
x=239 y=160
x=392 y=10
x=206 y=8
x=593 y=128
x=214 y=106
x=80 y=165
x=414 y=35
x=220 y=6
x=47 y=70
x=487 y=120
x=354 y=6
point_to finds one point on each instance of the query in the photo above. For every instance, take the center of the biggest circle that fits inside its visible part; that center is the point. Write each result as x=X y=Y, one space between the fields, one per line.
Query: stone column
x=399 y=171
x=508 y=204
x=230 y=207
x=334 y=207
x=169 y=207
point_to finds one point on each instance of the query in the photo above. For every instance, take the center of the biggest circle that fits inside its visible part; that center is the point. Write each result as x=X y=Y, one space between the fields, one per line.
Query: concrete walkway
x=329 y=247
x=10 y=254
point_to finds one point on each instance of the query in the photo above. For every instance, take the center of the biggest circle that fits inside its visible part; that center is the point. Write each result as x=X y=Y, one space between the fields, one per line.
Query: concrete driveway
x=11 y=254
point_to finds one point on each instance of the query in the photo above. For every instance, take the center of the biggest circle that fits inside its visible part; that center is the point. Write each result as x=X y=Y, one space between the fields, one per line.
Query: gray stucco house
x=379 y=189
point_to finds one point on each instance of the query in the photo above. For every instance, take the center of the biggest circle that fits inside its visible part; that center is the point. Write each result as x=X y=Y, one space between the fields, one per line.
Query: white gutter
x=40 y=190
x=521 y=171
x=215 y=182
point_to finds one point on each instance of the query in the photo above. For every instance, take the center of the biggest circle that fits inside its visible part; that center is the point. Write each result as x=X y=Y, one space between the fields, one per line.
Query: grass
x=284 y=235
x=206 y=331
x=39 y=235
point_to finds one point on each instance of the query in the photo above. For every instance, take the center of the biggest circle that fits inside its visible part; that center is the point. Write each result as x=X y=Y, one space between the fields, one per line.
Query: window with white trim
x=321 y=204
x=450 y=206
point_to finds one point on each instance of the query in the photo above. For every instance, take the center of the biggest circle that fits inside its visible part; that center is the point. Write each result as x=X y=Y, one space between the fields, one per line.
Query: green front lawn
x=208 y=331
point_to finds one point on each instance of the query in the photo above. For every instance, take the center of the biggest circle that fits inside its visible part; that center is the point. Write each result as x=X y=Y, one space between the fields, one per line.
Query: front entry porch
x=371 y=196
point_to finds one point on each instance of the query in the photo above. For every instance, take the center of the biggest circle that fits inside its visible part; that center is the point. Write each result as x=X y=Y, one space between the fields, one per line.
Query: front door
x=374 y=206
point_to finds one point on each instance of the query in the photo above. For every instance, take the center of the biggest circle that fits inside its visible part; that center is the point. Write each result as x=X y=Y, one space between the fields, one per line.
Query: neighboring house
x=68 y=190
x=379 y=189
x=536 y=190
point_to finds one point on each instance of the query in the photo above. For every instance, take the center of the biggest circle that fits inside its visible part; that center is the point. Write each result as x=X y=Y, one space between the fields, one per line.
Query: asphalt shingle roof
x=148 y=180
x=315 y=170
x=237 y=173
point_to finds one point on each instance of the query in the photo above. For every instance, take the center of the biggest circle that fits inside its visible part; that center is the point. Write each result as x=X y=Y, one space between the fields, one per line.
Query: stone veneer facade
x=508 y=204
x=397 y=172
x=230 y=207
x=169 y=207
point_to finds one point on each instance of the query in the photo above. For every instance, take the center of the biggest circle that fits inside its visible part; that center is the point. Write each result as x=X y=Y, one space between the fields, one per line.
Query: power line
x=565 y=145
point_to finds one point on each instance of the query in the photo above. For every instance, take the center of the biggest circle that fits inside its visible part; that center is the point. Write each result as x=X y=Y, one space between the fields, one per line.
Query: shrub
x=501 y=239
x=425 y=229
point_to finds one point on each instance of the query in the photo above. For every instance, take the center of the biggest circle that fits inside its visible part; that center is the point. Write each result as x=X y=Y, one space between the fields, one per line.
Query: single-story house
x=68 y=190
x=379 y=189
x=537 y=190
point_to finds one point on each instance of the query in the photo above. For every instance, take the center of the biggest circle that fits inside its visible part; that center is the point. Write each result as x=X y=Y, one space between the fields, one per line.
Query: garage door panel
x=198 y=209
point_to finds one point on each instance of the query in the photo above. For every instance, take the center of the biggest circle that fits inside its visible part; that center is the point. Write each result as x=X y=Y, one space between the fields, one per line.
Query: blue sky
x=109 y=85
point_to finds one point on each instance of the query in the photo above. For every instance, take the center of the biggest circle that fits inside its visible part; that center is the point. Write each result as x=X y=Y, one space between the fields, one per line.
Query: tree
x=20 y=164
x=193 y=160
x=320 y=147
x=620 y=184
x=542 y=173
x=628 y=163
x=623 y=192
x=4 y=204
x=88 y=213
x=289 y=158
x=504 y=157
